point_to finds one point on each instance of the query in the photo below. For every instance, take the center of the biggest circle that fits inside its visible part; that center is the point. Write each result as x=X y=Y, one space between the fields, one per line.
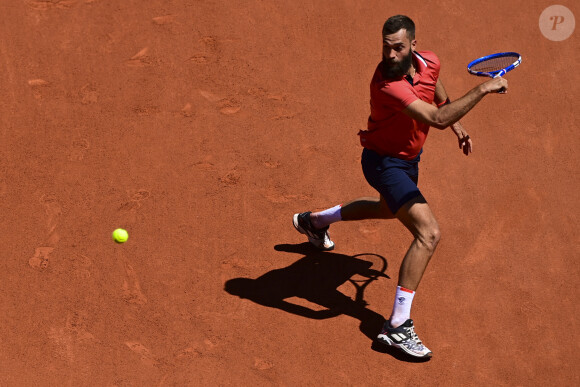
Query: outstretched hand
x=465 y=143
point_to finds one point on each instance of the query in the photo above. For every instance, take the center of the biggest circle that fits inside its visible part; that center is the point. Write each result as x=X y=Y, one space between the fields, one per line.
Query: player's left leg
x=420 y=221
x=379 y=175
x=315 y=224
x=318 y=237
x=399 y=330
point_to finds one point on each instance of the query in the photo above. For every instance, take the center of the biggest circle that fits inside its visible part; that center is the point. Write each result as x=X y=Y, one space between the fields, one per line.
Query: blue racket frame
x=497 y=73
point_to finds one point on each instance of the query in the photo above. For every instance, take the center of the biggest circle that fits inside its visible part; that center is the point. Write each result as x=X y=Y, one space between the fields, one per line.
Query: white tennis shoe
x=404 y=338
x=318 y=237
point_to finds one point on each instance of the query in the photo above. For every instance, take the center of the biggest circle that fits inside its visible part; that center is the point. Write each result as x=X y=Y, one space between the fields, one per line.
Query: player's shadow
x=316 y=278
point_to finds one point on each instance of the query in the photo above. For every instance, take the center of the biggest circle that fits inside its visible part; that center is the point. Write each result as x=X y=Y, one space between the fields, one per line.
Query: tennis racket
x=495 y=65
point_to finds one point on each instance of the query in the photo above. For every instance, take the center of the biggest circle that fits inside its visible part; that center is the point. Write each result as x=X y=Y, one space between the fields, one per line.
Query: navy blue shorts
x=395 y=179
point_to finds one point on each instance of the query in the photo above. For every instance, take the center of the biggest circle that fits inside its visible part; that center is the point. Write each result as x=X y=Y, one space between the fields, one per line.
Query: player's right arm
x=447 y=115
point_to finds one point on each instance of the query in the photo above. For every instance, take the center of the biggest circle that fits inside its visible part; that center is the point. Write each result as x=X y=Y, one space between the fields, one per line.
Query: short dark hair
x=395 y=23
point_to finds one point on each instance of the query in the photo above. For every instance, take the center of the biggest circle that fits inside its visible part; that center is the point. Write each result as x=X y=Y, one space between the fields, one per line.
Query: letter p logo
x=557 y=20
x=557 y=23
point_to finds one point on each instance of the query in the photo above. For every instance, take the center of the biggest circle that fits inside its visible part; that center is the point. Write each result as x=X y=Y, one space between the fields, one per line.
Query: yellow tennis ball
x=120 y=235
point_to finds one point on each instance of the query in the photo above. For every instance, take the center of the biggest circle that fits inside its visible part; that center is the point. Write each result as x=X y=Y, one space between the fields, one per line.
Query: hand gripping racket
x=494 y=65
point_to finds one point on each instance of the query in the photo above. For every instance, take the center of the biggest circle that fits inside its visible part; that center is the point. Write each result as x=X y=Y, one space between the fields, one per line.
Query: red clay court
x=202 y=126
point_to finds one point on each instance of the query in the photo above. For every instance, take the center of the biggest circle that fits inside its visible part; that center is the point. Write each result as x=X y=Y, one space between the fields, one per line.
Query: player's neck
x=412 y=69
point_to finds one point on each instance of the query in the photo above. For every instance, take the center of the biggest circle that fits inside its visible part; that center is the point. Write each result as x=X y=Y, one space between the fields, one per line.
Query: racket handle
x=498 y=75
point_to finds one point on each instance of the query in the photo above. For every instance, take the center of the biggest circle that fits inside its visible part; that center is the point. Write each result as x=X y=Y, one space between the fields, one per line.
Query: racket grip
x=498 y=75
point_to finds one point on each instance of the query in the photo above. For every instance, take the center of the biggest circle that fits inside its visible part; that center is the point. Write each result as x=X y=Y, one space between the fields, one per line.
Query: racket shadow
x=315 y=278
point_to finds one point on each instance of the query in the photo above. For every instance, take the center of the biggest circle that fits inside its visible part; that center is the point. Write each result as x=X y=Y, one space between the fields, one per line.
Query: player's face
x=397 y=53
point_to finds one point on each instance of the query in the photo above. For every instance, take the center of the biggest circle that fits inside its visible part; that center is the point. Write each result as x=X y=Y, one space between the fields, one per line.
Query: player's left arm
x=441 y=99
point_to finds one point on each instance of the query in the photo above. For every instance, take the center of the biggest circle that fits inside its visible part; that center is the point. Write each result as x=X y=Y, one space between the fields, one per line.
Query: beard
x=397 y=69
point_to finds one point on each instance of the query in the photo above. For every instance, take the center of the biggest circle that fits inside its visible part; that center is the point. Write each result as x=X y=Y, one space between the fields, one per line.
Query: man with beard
x=403 y=89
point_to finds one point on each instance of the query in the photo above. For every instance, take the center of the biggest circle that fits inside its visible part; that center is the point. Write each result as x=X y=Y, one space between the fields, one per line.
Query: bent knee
x=430 y=237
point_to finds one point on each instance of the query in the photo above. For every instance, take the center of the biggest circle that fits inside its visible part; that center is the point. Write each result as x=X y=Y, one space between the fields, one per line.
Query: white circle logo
x=557 y=23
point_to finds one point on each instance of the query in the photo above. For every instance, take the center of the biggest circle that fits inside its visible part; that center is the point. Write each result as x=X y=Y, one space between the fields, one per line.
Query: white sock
x=327 y=217
x=402 y=306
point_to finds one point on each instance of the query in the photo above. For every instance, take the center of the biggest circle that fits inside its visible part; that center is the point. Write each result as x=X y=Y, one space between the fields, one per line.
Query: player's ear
x=413 y=44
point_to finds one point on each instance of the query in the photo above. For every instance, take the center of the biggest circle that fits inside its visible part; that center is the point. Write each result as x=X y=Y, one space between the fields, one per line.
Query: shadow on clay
x=316 y=278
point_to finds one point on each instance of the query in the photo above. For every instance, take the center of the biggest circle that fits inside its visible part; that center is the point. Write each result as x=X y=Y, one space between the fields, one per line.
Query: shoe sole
x=385 y=340
x=311 y=240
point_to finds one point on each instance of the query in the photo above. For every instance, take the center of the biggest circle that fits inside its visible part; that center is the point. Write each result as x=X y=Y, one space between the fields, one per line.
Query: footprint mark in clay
x=263 y=364
x=67 y=339
x=210 y=52
x=199 y=59
x=37 y=82
x=144 y=353
x=186 y=111
x=53 y=211
x=280 y=102
x=226 y=106
x=131 y=290
x=41 y=257
x=79 y=149
x=82 y=267
x=140 y=59
x=38 y=86
x=233 y=177
x=131 y=206
x=229 y=106
x=88 y=94
x=45 y=5
x=163 y=20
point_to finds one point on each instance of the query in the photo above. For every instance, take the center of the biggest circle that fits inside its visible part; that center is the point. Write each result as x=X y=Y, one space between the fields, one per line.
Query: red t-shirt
x=391 y=132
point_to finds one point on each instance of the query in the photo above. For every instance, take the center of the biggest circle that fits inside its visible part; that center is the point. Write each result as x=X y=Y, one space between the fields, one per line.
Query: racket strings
x=495 y=64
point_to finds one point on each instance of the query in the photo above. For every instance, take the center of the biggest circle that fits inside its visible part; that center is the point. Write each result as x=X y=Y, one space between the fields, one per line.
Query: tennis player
x=407 y=98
